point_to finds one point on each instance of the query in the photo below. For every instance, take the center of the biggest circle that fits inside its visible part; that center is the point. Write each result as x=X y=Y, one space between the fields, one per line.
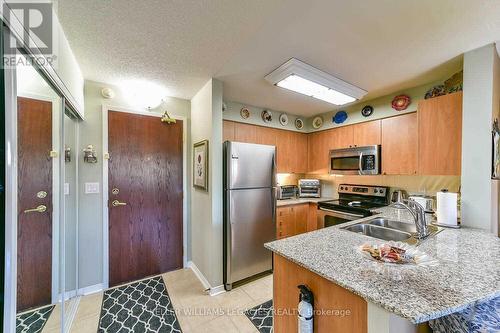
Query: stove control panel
x=377 y=191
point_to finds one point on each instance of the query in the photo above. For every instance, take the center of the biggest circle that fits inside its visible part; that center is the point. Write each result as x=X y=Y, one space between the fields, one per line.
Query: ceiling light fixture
x=305 y=79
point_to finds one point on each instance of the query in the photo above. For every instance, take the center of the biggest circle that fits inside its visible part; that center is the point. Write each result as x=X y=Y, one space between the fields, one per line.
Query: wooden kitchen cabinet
x=284 y=222
x=367 y=134
x=327 y=296
x=245 y=133
x=291 y=220
x=342 y=137
x=228 y=131
x=299 y=153
x=291 y=147
x=440 y=135
x=312 y=217
x=400 y=145
x=319 y=145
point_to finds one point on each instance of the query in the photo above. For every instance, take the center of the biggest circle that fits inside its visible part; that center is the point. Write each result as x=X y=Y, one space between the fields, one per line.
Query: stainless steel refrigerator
x=249 y=210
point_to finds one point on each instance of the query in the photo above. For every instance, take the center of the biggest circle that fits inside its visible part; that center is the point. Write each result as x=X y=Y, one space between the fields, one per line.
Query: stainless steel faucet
x=418 y=213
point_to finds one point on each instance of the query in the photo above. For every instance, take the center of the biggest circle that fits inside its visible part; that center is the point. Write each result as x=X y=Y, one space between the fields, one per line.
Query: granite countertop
x=298 y=201
x=468 y=270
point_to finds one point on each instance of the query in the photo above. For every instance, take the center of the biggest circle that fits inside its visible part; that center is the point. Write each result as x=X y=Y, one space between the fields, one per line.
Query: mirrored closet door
x=39 y=219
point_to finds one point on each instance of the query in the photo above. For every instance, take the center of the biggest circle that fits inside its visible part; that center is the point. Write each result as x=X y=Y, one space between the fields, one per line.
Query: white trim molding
x=91 y=289
x=212 y=291
x=105 y=183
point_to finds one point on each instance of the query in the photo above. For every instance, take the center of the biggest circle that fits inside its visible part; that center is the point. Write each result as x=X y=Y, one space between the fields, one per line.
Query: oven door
x=328 y=217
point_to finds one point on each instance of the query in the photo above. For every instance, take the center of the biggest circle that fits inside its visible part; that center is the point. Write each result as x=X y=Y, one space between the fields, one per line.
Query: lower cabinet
x=328 y=296
x=295 y=219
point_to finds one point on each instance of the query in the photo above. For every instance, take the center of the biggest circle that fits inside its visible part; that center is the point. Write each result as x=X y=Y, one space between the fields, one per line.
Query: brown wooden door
x=34 y=233
x=440 y=135
x=145 y=236
x=400 y=145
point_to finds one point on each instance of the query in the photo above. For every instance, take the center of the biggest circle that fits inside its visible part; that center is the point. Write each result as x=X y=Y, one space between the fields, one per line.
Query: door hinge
x=53 y=154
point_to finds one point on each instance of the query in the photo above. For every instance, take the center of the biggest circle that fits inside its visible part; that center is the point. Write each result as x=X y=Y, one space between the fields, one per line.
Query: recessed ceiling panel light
x=300 y=77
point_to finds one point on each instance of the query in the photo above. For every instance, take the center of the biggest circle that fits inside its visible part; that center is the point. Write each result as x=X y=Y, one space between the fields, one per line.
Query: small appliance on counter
x=399 y=196
x=287 y=192
x=425 y=201
x=447 y=209
x=309 y=188
x=355 y=202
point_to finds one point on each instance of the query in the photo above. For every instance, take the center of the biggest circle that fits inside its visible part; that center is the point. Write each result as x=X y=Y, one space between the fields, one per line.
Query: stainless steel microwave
x=355 y=161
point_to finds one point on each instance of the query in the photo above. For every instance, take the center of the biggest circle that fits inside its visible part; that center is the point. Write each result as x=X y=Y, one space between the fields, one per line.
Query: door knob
x=117 y=203
x=39 y=209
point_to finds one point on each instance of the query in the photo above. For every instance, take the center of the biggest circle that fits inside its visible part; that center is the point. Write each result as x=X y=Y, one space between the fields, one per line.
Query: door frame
x=105 y=183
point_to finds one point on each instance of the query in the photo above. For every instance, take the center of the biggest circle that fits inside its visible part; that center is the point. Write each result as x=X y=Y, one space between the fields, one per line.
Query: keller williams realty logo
x=33 y=31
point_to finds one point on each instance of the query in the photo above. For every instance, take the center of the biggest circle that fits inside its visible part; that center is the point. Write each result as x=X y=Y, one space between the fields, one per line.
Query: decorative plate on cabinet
x=299 y=123
x=435 y=91
x=401 y=102
x=244 y=113
x=340 y=117
x=317 y=122
x=283 y=119
x=267 y=116
x=367 y=110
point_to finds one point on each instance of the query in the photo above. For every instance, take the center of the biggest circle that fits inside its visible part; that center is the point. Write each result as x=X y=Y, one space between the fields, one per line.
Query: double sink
x=389 y=230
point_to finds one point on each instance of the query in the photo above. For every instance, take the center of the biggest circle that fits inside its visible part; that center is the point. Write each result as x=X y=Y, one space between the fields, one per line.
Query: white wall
x=480 y=106
x=90 y=209
x=206 y=207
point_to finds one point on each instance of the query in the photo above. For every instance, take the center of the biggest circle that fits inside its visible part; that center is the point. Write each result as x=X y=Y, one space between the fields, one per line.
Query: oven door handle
x=361 y=172
x=341 y=214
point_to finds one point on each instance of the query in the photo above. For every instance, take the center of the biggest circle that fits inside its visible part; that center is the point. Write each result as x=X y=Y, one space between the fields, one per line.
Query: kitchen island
x=355 y=294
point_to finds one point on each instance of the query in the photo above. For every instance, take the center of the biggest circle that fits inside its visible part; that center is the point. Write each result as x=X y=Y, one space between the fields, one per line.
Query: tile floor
x=196 y=311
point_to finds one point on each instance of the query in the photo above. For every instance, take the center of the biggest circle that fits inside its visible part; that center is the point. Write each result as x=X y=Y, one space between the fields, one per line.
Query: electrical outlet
x=91 y=188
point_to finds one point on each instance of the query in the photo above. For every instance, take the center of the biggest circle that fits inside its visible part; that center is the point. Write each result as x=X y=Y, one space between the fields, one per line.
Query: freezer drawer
x=249 y=165
x=250 y=223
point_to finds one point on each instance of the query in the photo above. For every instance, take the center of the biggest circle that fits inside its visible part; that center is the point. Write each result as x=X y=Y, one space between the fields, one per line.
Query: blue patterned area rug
x=143 y=306
x=33 y=321
x=262 y=316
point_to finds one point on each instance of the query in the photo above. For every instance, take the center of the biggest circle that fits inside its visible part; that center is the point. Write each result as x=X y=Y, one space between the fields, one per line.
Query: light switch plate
x=66 y=188
x=91 y=188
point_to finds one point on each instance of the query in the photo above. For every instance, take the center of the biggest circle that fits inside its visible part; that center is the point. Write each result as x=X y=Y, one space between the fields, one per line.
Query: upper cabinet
x=341 y=137
x=427 y=142
x=291 y=147
x=228 y=131
x=400 y=145
x=440 y=135
x=319 y=145
x=367 y=134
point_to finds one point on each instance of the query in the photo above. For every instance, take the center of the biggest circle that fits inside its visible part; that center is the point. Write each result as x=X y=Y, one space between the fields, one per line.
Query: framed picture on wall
x=200 y=165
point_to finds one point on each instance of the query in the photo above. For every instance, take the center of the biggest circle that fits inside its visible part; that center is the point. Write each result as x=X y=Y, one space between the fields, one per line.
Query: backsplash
x=428 y=185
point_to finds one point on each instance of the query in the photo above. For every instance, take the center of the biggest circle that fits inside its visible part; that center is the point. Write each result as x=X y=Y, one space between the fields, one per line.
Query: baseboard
x=212 y=291
x=91 y=289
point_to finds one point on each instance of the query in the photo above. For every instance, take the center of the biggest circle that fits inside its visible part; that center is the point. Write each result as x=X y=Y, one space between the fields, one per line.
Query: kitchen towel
x=446 y=208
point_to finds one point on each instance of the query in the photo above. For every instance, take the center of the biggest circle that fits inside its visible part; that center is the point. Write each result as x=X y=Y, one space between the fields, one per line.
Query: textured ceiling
x=381 y=46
